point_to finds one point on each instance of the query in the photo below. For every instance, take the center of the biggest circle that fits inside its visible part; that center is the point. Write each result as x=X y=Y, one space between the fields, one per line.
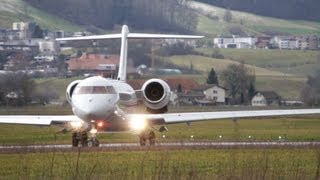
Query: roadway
x=162 y=146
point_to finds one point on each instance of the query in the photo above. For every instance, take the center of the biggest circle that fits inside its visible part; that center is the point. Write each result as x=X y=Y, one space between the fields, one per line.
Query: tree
x=212 y=77
x=237 y=79
x=179 y=88
x=79 y=53
x=216 y=54
x=38 y=32
x=310 y=94
x=227 y=17
x=251 y=90
x=191 y=67
x=18 y=83
x=237 y=30
x=318 y=58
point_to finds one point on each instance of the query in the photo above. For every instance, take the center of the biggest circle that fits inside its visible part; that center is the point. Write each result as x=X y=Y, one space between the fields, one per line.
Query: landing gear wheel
x=143 y=141
x=84 y=138
x=75 y=139
x=93 y=143
x=152 y=138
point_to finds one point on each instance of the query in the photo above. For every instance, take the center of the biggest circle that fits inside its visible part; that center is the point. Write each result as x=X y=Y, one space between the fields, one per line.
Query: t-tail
x=124 y=36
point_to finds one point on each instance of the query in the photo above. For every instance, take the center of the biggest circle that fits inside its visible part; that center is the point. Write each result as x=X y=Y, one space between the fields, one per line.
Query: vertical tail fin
x=122 y=74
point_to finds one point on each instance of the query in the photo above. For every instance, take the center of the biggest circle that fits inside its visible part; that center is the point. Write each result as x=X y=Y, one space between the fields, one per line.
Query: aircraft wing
x=172 y=118
x=38 y=120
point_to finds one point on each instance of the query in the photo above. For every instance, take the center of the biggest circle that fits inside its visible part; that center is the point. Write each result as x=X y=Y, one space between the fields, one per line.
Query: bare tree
x=227 y=16
x=19 y=84
x=237 y=79
x=310 y=94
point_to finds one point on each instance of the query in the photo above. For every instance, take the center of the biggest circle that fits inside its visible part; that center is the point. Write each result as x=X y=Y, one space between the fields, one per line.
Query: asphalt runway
x=162 y=146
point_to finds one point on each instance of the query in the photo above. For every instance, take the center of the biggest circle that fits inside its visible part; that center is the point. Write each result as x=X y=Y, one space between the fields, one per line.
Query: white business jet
x=96 y=101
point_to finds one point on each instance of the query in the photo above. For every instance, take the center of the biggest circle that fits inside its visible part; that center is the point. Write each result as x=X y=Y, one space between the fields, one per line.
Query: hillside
x=250 y=24
x=164 y=15
x=287 y=85
x=73 y=16
x=299 y=63
x=286 y=9
x=18 y=10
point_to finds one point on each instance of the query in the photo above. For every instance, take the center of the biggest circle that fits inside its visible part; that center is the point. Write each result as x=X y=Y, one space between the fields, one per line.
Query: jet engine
x=70 y=89
x=156 y=95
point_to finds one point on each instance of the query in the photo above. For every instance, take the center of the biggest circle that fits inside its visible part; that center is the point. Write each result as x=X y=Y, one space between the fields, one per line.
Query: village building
x=213 y=94
x=308 y=42
x=45 y=57
x=235 y=42
x=263 y=42
x=105 y=65
x=266 y=98
x=284 y=42
x=48 y=45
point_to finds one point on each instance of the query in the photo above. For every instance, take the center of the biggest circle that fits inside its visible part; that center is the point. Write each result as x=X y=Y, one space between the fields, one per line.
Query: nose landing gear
x=81 y=138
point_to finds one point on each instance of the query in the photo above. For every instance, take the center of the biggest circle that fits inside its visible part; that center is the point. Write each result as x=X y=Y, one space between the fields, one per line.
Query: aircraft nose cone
x=94 y=107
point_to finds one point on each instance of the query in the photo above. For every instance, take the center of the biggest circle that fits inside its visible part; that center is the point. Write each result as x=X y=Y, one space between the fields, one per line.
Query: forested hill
x=164 y=15
x=285 y=9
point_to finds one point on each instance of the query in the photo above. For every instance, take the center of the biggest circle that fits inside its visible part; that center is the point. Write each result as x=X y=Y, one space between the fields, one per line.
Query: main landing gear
x=147 y=135
x=81 y=138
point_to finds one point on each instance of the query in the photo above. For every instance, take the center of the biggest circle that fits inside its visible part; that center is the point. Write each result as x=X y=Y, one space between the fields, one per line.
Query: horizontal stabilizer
x=96 y=37
x=161 y=36
x=131 y=36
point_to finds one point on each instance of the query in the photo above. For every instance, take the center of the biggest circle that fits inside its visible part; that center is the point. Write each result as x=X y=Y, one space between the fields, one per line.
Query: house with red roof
x=101 y=64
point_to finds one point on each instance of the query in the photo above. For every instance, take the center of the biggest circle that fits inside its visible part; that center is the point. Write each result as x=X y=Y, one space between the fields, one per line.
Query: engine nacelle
x=70 y=89
x=156 y=95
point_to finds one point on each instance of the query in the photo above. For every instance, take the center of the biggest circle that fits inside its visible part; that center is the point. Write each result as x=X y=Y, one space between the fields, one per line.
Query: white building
x=285 y=42
x=288 y=44
x=235 y=42
x=213 y=94
x=45 y=57
x=20 y=26
x=265 y=98
x=48 y=45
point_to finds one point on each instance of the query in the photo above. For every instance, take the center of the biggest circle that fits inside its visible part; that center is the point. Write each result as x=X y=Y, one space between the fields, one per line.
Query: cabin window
x=111 y=90
x=124 y=97
x=95 y=90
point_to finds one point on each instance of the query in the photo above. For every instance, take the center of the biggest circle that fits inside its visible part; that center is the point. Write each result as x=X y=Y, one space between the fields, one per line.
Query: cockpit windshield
x=94 y=90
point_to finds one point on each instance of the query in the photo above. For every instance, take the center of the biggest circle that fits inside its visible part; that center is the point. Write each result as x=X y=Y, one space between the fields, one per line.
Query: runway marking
x=175 y=144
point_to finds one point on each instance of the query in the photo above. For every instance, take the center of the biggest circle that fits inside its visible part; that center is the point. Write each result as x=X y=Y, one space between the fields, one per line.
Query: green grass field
x=205 y=64
x=178 y=164
x=59 y=85
x=266 y=79
x=284 y=163
x=287 y=87
x=250 y=23
x=285 y=61
x=260 y=129
x=17 y=10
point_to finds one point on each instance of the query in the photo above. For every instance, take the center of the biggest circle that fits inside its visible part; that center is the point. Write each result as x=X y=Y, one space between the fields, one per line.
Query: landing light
x=100 y=124
x=93 y=131
x=76 y=124
x=138 y=123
